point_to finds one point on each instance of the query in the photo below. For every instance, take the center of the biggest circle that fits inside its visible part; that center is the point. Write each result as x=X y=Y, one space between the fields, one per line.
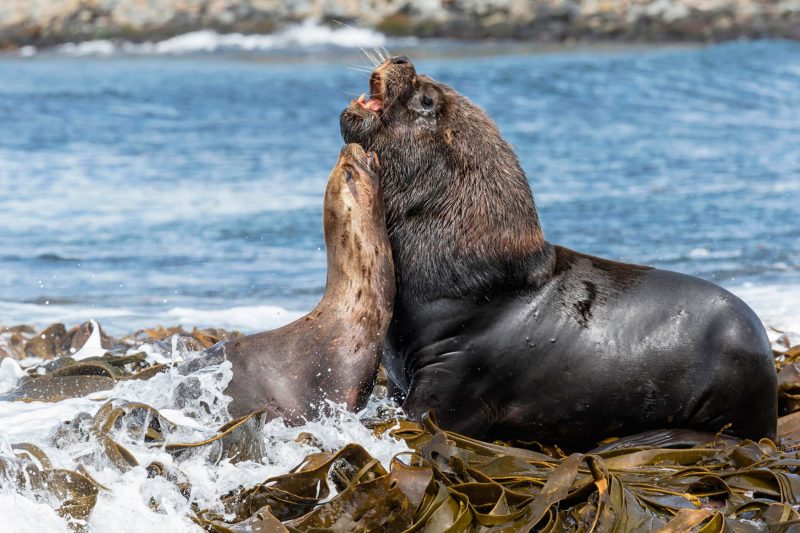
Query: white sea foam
x=778 y=306
x=18 y=313
x=93 y=346
x=122 y=320
x=99 y=47
x=699 y=252
x=28 y=51
x=30 y=422
x=10 y=372
x=308 y=34
x=23 y=515
x=247 y=318
x=126 y=506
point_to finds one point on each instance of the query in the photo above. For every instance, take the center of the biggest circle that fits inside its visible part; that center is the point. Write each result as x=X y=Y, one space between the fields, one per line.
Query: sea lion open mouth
x=375 y=102
x=392 y=84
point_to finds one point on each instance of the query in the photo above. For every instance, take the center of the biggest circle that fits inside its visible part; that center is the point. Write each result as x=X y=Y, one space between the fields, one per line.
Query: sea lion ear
x=449 y=135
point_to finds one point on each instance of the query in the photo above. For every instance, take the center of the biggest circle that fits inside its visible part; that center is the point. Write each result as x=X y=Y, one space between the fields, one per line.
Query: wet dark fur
x=479 y=247
x=502 y=334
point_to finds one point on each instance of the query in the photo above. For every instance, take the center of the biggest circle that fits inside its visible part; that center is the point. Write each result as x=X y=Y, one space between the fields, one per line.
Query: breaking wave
x=119 y=319
x=133 y=500
x=775 y=304
x=307 y=35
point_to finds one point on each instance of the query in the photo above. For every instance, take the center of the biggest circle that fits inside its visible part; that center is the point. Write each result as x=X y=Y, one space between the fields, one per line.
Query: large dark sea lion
x=333 y=352
x=504 y=335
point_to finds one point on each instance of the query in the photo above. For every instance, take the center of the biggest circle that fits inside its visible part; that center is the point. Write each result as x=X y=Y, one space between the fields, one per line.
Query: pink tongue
x=374 y=105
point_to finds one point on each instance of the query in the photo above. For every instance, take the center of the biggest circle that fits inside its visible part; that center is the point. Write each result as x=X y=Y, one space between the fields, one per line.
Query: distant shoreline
x=48 y=23
x=421 y=49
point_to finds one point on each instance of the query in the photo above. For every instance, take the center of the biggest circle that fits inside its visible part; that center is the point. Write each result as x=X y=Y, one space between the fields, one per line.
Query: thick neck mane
x=461 y=217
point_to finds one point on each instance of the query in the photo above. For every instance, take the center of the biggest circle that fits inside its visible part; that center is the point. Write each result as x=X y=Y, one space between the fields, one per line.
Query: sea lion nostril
x=400 y=60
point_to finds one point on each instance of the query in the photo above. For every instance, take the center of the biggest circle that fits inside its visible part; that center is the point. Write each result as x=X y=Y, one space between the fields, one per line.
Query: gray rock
x=48 y=22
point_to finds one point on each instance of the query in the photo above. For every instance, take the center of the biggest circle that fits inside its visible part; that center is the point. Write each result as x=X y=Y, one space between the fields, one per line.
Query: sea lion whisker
x=385 y=109
x=378 y=53
x=365 y=68
x=372 y=59
x=358 y=68
x=348 y=93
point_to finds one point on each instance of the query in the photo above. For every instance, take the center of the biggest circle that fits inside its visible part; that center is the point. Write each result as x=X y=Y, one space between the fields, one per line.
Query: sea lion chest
x=600 y=348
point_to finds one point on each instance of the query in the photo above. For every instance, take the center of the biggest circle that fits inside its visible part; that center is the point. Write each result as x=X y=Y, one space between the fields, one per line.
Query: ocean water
x=155 y=187
x=182 y=182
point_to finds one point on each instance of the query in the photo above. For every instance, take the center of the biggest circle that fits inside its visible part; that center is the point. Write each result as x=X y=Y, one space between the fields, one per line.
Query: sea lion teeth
x=373 y=104
x=503 y=335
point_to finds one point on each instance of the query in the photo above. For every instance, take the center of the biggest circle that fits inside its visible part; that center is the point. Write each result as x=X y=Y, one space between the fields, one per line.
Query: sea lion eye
x=348 y=174
x=427 y=101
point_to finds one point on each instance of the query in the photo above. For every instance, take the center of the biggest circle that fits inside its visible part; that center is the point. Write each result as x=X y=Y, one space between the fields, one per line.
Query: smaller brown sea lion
x=333 y=352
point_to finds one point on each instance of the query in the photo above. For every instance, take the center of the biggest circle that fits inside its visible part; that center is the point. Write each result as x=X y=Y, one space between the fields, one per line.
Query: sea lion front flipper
x=666 y=438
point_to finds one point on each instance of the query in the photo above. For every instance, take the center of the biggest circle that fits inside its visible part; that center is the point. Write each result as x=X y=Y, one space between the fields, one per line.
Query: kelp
x=448 y=482
x=665 y=481
x=31 y=471
x=238 y=440
x=65 y=377
x=61 y=378
x=455 y=484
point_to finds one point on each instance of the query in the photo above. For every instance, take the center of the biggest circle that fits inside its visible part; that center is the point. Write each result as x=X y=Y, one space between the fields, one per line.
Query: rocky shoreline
x=100 y=433
x=51 y=22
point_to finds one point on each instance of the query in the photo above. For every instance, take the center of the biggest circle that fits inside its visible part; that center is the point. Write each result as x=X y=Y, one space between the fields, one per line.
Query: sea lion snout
x=352 y=150
x=391 y=80
x=355 y=154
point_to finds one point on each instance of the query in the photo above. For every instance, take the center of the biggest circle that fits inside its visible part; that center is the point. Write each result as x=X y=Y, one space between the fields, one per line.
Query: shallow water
x=146 y=189
x=131 y=500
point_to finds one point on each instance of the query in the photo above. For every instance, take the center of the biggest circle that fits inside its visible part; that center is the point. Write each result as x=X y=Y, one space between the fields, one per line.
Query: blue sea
x=145 y=188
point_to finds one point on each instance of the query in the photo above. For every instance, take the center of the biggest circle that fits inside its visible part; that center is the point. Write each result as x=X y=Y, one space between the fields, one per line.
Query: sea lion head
x=353 y=201
x=354 y=221
x=407 y=107
x=460 y=212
